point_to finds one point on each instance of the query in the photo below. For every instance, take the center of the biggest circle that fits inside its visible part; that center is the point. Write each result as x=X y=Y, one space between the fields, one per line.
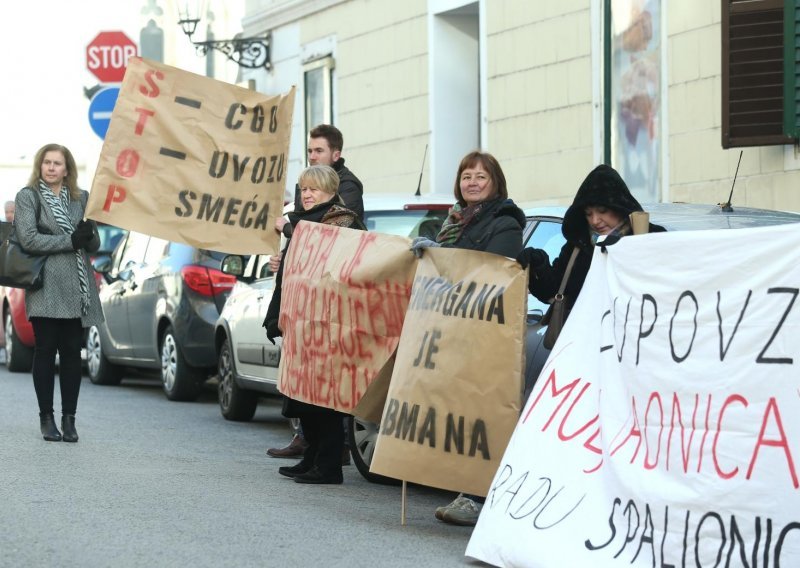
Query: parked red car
x=16 y=333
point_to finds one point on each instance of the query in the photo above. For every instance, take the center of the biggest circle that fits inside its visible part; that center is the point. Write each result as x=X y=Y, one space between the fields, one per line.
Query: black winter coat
x=496 y=229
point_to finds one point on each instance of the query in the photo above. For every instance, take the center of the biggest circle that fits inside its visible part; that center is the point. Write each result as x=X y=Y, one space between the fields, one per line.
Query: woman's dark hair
x=70 y=180
x=492 y=167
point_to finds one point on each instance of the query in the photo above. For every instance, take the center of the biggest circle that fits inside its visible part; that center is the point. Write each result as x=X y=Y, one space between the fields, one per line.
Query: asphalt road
x=159 y=483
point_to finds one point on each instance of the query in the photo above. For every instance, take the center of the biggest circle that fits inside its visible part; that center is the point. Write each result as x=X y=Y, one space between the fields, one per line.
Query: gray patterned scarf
x=59 y=205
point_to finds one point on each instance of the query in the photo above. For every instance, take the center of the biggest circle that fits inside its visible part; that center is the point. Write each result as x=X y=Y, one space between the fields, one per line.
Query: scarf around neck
x=458 y=219
x=59 y=206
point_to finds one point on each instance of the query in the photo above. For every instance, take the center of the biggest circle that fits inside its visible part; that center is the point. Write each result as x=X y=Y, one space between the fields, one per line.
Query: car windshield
x=407 y=223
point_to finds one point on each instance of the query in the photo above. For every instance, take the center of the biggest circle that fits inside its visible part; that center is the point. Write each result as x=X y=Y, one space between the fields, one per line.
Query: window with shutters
x=759 y=72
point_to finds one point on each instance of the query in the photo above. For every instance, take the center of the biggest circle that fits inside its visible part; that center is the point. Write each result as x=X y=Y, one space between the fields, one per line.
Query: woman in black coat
x=601 y=207
x=483 y=219
x=323 y=428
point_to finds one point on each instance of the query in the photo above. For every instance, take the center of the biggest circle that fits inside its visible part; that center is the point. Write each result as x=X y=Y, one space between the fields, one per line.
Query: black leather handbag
x=557 y=312
x=19 y=269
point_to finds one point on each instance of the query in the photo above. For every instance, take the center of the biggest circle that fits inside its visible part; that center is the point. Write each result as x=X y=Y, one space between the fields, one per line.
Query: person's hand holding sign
x=275 y=259
x=419 y=244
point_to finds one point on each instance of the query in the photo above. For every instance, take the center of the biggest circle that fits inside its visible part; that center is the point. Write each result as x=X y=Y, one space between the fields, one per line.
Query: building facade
x=551 y=88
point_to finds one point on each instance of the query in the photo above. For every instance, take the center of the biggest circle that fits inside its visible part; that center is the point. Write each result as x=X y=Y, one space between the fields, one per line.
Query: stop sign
x=107 y=56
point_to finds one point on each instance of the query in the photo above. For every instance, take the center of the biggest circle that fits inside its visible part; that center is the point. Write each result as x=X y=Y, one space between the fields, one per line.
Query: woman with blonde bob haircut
x=324 y=178
x=323 y=428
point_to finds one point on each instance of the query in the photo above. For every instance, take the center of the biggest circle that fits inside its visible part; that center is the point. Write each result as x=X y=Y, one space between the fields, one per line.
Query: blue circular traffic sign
x=100 y=110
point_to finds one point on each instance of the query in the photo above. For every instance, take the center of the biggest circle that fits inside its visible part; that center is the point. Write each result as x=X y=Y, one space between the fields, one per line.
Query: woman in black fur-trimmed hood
x=601 y=207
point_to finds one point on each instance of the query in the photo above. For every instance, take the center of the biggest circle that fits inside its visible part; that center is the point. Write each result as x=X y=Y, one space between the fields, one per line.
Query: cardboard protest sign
x=664 y=429
x=195 y=160
x=455 y=392
x=343 y=299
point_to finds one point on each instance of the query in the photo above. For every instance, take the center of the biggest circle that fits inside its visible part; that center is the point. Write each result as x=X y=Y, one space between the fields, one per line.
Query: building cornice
x=283 y=13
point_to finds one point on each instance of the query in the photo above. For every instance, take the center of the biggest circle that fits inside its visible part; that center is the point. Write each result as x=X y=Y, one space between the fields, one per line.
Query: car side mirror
x=233 y=264
x=102 y=264
x=535 y=316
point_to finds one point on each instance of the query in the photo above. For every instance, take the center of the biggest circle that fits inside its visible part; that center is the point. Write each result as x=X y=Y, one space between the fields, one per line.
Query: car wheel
x=363 y=436
x=179 y=379
x=101 y=370
x=235 y=403
x=19 y=357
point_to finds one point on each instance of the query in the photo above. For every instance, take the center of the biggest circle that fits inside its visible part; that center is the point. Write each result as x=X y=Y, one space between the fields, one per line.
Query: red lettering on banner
x=565 y=437
x=311 y=244
x=127 y=163
x=346 y=274
x=554 y=392
x=705 y=435
x=657 y=398
x=330 y=319
x=144 y=114
x=151 y=90
x=566 y=391
x=556 y=401
x=676 y=410
x=590 y=445
x=728 y=401
x=114 y=194
x=782 y=442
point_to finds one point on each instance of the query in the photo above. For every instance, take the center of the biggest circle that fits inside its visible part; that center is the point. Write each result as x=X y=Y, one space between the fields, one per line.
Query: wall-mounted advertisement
x=636 y=76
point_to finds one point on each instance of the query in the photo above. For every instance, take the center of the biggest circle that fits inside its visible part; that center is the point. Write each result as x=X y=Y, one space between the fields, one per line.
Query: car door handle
x=133 y=286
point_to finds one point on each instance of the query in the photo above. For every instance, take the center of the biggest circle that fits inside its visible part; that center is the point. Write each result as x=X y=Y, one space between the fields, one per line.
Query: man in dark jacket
x=325 y=149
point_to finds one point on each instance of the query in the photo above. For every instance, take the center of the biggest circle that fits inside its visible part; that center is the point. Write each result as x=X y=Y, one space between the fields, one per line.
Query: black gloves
x=273 y=330
x=82 y=234
x=535 y=258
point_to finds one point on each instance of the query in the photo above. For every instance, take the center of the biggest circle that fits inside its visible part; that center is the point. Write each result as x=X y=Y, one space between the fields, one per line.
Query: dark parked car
x=161 y=302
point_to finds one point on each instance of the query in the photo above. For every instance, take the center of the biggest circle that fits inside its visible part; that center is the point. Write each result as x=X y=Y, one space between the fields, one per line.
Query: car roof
x=394 y=201
x=397 y=201
x=693 y=216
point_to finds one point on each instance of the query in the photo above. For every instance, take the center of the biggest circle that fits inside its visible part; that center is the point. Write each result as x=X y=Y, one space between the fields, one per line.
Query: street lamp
x=249 y=52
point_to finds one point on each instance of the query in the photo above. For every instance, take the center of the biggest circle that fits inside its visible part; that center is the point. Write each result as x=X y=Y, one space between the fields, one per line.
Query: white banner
x=664 y=430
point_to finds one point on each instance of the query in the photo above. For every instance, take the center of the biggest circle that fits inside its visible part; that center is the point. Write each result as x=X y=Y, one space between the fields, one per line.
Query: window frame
x=328 y=66
x=788 y=134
